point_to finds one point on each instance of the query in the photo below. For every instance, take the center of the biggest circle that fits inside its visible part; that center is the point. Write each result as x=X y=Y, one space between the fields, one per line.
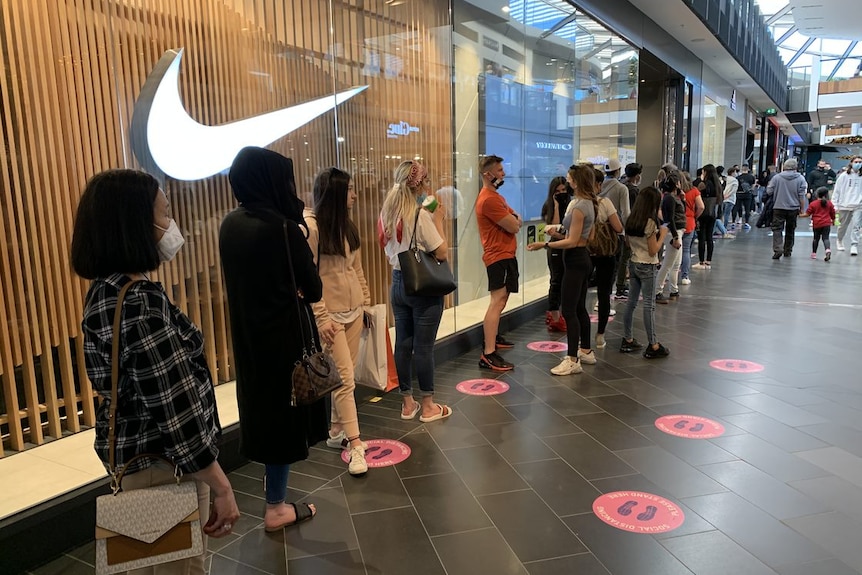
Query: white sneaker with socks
x=568 y=366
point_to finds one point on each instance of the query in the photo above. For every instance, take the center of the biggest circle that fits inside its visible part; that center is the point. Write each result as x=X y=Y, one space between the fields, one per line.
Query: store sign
x=400 y=130
x=733 y=100
x=164 y=134
x=490 y=43
x=553 y=146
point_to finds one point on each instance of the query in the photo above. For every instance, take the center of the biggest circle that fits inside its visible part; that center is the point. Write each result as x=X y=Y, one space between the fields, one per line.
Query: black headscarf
x=263 y=180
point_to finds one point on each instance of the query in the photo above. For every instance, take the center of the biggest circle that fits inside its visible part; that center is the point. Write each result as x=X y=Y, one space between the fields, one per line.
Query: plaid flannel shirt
x=166 y=401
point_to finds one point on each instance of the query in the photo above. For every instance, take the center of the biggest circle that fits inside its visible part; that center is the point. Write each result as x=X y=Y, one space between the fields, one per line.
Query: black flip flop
x=303 y=513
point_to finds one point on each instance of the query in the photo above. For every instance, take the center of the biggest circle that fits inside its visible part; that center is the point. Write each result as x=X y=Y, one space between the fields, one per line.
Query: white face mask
x=171 y=242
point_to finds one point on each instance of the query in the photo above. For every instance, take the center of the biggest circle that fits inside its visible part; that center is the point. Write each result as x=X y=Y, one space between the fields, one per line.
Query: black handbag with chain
x=315 y=374
x=421 y=273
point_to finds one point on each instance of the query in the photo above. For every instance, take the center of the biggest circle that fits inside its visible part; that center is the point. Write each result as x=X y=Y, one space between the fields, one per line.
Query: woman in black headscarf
x=254 y=241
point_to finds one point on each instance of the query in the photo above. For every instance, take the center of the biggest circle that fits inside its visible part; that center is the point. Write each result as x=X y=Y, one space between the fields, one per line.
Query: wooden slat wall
x=72 y=70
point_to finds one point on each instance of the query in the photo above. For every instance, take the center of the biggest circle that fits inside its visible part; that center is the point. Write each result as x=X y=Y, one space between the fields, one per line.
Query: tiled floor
x=506 y=485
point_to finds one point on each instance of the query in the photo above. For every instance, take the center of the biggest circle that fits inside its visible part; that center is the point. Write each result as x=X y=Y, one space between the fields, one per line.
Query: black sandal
x=303 y=513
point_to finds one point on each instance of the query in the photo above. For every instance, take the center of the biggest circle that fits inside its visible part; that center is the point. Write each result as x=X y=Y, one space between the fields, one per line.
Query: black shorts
x=503 y=273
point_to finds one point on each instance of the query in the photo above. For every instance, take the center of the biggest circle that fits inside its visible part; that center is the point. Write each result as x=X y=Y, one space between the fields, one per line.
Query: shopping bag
x=390 y=365
x=371 y=364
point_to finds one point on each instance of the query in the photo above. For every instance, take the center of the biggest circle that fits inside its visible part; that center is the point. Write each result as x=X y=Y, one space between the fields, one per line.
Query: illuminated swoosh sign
x=167 y=140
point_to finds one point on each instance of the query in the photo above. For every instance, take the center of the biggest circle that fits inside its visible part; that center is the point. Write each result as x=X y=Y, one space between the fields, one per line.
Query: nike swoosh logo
x=167 y=140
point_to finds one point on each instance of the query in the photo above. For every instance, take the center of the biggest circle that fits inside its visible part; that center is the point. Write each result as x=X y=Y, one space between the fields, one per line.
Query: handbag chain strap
x=117 y=476
x=414 y=244
x=305 y=337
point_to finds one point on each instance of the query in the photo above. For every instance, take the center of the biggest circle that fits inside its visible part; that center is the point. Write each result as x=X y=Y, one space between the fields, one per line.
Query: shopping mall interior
x=739 y=453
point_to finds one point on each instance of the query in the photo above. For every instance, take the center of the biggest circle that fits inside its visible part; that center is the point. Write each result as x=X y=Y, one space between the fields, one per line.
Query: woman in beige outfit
x=334 y=242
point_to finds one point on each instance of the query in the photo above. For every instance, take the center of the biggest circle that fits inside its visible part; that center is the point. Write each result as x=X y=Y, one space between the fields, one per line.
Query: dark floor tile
x=381 y=534
x=482 y=551
x=758 y=532
x=583 y=564
x=837 y=435
x=768 y=458
x=775 y=432
x=517 y=393
x=484 y=411
x=693 y=452
x=587 y=386
x=319 y=470
x=676 y=476
x=565 y=401
x=834 y=413
x=610 y=431
x=455 y=431
x=587 y=456
x=643 y=392
x=714 y=553
x=825 y=567
x=781 y=411
x=87 y=552
x=542 y=419
x=341 y=563
x=626 y=410
x=516 y=443
x=606 y=371
x=834 y=532
x=624 y=553
x=445 y=505
x=378 y=489
x=65 y=565
x=223 y=566
x=426 y=458
x=263 y=551
x=835 y=493
x=484 y=470
x=561 y=487
x=529 y=526
x=836 y=461
x=329 y=532
x=530 y=375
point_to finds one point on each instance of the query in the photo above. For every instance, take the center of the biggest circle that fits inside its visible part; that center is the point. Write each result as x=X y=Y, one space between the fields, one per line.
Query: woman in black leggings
x=711 y=191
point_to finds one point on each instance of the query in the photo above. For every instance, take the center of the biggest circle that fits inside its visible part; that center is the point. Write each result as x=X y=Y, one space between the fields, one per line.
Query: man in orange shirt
x=498 y=224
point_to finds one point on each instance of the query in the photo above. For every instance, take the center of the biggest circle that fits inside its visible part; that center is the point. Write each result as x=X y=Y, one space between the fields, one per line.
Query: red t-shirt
x=821 y=216
x=498 y=244
x=690 y=206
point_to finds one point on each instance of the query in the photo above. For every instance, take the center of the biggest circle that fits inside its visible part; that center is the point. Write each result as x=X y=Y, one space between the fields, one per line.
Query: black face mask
x=497 y=183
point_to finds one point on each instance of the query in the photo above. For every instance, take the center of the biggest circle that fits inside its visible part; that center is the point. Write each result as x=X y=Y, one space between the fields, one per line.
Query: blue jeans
x=641 y=279
x=687 y=242
x=276 y=483
x=728 y=213
x=719 y=227
x=416 y=321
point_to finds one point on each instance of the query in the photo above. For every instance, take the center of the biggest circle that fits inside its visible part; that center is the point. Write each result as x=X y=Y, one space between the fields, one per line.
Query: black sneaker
x=787 y=254
x=651 y=353
x=495 y=361
x=659 y=298
x=503 y=343
x=674 y=295
x=776 y=256
x=629 y=346
x=622 y=294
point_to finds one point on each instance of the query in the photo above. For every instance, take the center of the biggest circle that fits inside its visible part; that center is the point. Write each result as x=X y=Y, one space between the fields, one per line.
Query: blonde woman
x=334 y=242
x=416 y=317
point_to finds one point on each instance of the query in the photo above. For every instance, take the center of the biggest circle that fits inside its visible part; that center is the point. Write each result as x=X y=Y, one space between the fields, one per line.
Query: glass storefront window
x=713 y=122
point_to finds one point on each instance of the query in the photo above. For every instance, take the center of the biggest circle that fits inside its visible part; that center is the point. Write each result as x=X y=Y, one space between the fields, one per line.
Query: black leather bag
x=421 y=273
x=315 y=375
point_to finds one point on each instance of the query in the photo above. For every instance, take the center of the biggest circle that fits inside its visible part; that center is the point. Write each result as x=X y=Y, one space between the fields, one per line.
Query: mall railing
x=740 y=27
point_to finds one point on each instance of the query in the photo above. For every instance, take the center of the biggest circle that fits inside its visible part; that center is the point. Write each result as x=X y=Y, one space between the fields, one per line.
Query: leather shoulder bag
x=422 y=273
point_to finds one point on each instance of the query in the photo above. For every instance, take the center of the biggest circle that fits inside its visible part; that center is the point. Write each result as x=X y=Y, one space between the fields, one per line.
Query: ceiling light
x=837 y=117
x=505 y=9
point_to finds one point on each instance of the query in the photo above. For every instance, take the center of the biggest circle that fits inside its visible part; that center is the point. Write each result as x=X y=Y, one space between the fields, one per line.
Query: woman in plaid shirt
x=166 y=403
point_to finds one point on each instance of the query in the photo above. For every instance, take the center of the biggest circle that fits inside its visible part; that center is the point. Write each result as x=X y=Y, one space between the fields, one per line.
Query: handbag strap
x=305 y=337
x=413 y=242
x=117 y=477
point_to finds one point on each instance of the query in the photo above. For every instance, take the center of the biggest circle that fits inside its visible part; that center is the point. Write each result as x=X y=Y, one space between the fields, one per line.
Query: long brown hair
x=584 y=177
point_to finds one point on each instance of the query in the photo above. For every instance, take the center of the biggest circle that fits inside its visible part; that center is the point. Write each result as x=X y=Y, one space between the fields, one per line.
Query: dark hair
x=645 y=209
x=823 y=193
x=710 y=178
x=720 y=170
x=548 y=206
x=670 y=184
x=634 y=169
x=600 y=177
x=334 y=225
x=584 y=177
x=114 y=230
x=486 y=162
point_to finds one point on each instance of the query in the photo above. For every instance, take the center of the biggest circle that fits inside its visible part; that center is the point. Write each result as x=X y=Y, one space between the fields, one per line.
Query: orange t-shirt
x=498 y=244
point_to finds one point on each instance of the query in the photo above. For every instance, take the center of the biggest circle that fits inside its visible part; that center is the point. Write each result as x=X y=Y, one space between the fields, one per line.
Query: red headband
x=417 y=174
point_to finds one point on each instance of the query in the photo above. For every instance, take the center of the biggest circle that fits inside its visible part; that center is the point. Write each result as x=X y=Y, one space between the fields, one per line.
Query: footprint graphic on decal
x=476 y=385
x=729 y=364
x=488 y=387
x=696 y=427
x=743 y=366
x=372 y=449
x=626 y=508
x=382 y=454
x=648 y=514
x=680 y=424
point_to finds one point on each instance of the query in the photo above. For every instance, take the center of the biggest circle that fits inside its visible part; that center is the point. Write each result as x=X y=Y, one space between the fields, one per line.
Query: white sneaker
x=587 y=358
x=357 y=464
x=840 y=245
x=853 y=250
x=600 y=341
x=685 y=281
x=340 y=441
x=596 y=307
x=568 y=366
x=613 y=312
